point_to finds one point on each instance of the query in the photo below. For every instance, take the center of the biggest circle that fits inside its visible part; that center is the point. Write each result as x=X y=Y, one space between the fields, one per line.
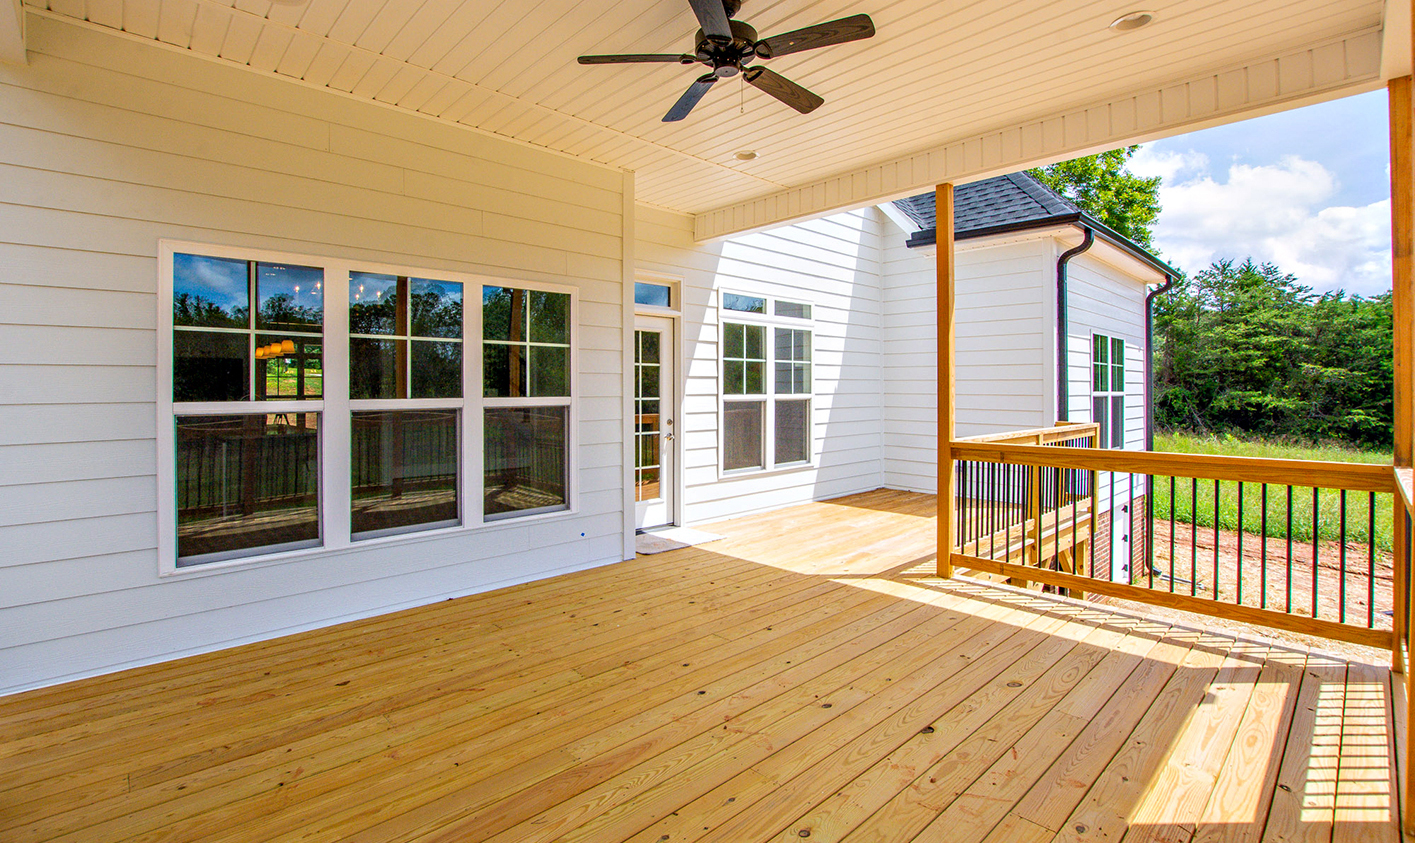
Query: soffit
x=938 y=70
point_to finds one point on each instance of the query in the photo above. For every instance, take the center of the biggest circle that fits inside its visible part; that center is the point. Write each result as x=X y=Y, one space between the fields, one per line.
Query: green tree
x=1244 y=347
x=1101 y=186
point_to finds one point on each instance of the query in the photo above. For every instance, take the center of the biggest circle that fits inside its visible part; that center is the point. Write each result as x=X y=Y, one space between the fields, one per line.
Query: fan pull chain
x=742 y=108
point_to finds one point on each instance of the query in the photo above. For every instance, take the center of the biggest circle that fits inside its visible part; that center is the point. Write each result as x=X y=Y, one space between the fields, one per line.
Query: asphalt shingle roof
x=1013 y=200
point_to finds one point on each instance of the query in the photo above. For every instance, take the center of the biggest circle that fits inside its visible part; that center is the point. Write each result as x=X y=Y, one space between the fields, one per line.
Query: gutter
x=1169 y=280
x=1063 y=340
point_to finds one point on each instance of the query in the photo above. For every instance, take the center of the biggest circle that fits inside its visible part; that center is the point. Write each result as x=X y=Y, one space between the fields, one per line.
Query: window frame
x=769 y=321
x=335 y=409
x=1103 y=434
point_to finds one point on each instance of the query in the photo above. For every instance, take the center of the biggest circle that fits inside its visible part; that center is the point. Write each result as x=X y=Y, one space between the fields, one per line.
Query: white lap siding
x=1003 y=307
x=107 y=146
x=831 y=264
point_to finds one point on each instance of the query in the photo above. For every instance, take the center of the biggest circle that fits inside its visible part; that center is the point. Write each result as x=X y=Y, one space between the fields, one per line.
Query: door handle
x=668 y=436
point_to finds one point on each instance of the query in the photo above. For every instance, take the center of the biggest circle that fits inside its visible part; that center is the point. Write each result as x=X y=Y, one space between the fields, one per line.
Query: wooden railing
x=1304 y=546
x=1017 y=513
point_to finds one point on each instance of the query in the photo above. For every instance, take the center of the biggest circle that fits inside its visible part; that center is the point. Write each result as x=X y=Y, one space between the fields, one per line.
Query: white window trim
x=770 y=321
x=1123 y=392
x=335 y=429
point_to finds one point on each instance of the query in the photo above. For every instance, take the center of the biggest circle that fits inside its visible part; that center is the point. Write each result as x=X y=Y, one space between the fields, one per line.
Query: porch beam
x=947 y=387
x=1337 y=67
x=12 y=33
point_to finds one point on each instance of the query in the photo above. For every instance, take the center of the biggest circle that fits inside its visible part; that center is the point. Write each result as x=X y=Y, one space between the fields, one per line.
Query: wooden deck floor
x=799 y=679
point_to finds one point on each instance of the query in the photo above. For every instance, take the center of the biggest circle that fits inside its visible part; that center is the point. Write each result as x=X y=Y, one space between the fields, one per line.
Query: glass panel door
x=654 y=411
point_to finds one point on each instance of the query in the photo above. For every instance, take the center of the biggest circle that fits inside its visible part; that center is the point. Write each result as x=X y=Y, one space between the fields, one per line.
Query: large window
x=277 y=435
x=1108 y=389
x=766 y=401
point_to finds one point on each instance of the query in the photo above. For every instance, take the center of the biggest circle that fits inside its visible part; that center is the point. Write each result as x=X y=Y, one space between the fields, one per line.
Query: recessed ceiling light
x=745 y=155
x=1132 y=21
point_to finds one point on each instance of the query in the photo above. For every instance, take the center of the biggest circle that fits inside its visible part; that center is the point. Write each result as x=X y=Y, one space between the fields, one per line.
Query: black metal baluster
x=1240 y=542
x=1315 y=506
x=1371 y=562
x=1263 y=569
x=1173 y=504
x=1194 y=537
x=1341 y=557
x=1288 y=607
x=1216 y=537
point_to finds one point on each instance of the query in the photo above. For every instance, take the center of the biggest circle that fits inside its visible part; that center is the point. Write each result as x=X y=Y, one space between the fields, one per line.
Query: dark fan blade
x=689 y=99
x=783 y=89
x=821 y=35
x=712 y=17
x=636 y=58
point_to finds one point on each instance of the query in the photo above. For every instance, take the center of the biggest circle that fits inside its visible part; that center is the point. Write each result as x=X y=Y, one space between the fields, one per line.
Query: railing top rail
x=1060 y=433
x=1360 y=477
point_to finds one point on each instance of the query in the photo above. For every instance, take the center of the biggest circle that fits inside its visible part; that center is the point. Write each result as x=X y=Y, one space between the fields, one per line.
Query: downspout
x=1062 y=340
x=1150 y=359
x=1150 y=415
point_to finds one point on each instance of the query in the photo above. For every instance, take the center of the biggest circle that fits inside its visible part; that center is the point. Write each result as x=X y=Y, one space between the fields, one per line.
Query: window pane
x=373 y=304
x=525 y=459
x=435 y=308
x=209 y=366
x=550 y=371
x=550 y=317
x=246 y=484
x=503 y=314
x=1100 y=377
x=783 y=378
x=210 y=292
x=802 y=378
x=504 y=371
x=794 y=310
x=801 y=344
x=733 y=344
x=1100 y=349
x=404 y=470
x=376 y=367
x=289 y=297
x=437 y=369
x=756 y=378
x=783 y=343
x=1099 y=406
x=649 y=377
x=792 y=431
x=648 y=346
x=288 y=368
x=653 y=295
x=743 y=304
x=734 y=378
x=755 y=342
x=1117 y=421
x=742 y=434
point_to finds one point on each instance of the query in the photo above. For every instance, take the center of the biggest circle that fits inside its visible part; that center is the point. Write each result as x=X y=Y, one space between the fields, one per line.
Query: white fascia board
x=904 y=221
x=12 y=33
x=1332 y=68
x=1395 y=40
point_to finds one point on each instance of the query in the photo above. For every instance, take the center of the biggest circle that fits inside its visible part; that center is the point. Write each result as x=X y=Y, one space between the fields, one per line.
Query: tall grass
x=1195 y=505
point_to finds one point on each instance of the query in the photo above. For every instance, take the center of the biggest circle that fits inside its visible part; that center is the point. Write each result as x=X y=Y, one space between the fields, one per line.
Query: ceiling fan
x=729 y=46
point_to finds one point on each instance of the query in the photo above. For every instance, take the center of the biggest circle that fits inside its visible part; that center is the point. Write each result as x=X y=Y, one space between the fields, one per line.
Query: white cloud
x=1277 y=213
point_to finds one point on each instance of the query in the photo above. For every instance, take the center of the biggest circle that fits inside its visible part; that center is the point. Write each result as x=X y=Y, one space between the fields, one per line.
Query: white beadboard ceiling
x=938 y=71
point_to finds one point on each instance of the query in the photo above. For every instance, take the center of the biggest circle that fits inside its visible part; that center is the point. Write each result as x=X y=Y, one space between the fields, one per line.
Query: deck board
x=752 y=689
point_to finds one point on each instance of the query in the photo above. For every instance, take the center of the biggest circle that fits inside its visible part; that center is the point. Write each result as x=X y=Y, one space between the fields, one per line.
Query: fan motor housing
x=732 y=55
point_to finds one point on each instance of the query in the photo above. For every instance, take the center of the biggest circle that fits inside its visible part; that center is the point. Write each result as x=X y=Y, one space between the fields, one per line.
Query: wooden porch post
x=947 y=473
x=1402 y=243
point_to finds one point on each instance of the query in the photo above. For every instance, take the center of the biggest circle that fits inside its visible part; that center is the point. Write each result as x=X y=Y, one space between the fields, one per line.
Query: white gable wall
x=832 y=264
x=1004 y=323
x=107 y=146
x=1107 y=299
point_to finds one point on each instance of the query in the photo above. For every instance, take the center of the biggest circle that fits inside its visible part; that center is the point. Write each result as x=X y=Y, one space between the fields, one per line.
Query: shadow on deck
x=802 y=678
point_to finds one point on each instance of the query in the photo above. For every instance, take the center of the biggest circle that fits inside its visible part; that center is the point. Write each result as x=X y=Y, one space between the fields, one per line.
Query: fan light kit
x=728 y=47
x=1132 y=21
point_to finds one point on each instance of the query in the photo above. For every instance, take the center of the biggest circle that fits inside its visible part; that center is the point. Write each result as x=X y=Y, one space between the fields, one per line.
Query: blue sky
x=1308 y=190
